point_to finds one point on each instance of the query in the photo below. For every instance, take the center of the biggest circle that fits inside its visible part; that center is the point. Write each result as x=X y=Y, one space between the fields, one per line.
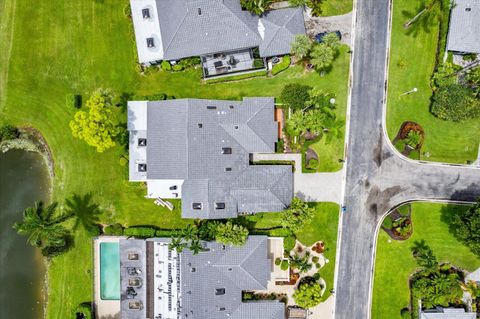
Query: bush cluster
x=83 y=311
x=140 y=231
x=282 y=65
x=8 y=132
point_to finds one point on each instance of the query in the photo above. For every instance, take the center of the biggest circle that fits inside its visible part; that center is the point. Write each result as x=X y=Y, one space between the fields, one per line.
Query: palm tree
x=431 y=10
x=43 y=227
x=85 y=212
x=195 y=246
x=177 y=244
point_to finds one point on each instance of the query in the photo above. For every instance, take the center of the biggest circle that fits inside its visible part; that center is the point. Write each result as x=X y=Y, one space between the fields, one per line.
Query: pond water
x=23 y=180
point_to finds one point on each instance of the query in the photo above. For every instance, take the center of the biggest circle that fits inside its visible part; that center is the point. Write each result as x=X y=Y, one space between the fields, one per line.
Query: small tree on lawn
x=231 y=234
x=308 y=293
x=322 y=56
x=301 y=46
x=297 y=215
x=295 y=95
x=465 y=225
x=97 y=126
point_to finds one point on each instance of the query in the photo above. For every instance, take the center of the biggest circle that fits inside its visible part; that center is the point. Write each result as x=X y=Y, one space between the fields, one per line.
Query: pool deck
x=103 y=308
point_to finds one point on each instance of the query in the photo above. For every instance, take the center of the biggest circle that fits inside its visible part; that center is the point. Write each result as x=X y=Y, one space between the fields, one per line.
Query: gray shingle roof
x=198 y=27
x=194 y=27
x=464 y=29
x=233 y=269
x=186 y=138
x=447 y=313
x=281 y=27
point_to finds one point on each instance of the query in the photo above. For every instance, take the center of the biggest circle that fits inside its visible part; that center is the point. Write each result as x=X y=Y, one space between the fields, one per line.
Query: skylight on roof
x=150 y=43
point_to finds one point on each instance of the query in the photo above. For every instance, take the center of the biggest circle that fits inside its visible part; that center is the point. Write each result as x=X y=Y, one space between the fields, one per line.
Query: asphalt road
x=377 y=178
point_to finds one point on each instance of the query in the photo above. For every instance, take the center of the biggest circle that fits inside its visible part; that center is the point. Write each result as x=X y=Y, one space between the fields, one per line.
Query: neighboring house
x=157 y=282
x=218 y=31
x=199 y=151
x=464 y=30
x=447 y=313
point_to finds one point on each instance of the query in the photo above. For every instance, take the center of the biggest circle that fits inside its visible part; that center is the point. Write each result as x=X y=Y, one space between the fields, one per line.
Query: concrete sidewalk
x=310 y=187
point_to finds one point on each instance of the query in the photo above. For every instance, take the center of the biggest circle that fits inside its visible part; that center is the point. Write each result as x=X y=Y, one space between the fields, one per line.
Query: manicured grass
x=412 y=59
x=58 y=48
x=324 y=226
x=394 y=261
x=336 y=7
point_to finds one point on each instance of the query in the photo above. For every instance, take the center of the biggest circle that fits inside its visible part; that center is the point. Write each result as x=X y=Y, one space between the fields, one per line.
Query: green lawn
x=58 y=47
x=336 y=7
x=394 y=261
x=412 y=59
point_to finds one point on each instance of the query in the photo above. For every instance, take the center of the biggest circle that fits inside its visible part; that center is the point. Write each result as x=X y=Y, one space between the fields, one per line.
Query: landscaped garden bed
x=398 y=224
x=409 y=139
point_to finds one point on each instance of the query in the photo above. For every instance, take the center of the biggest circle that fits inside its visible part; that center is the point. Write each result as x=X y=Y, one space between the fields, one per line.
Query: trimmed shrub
x=282 y=65
x=284 y=264
x=189 y=62
x=73 y=101
x=236 y=77
x=318 y=265
x=289 y=243
x=278 y=261
x=387 y=222
x=8 y=132
x=140 y=231
x=166 y=66
x=177 y=68
x=405 y=313
x=315 y=259
x=83 y=311
x=115 y=229
x=316 y=276
x=164 y=233
x=279 y=146
x=313 y=164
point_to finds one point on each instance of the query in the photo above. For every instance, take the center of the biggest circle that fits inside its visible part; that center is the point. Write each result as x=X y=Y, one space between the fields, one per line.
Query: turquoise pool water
x=110 y=271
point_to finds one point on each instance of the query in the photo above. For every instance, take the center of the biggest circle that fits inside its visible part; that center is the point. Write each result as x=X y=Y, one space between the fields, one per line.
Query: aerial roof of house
x=185 y=28
x=207 y=144
x=207 y=285
x=447 y=313
x=464 y=30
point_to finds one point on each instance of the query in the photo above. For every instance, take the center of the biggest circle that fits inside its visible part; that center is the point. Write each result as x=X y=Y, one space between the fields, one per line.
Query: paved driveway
x=310 y=187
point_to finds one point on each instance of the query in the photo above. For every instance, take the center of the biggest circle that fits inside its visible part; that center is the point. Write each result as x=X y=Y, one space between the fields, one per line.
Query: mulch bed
x=395 y=215
x=403 y=133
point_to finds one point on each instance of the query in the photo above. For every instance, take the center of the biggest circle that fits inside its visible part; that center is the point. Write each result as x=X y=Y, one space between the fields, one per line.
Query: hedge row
x=236 y=77
x=137 y=231
x=282 y=65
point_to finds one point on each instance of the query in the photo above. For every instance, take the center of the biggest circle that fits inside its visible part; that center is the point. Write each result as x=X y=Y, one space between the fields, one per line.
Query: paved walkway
x=310 y=187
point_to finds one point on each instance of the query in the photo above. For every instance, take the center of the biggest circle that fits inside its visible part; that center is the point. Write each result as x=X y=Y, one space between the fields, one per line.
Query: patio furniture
x=217 y=64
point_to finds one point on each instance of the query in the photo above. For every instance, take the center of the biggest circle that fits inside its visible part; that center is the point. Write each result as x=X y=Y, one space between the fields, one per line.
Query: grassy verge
x=78 y=46
x=412 y=61
x=394 y=261
x=336 y=7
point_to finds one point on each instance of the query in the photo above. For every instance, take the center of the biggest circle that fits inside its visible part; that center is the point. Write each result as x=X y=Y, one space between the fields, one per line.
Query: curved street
x=377 y=177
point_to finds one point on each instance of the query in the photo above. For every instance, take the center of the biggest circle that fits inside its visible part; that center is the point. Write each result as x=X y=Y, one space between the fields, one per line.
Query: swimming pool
x=110 y=271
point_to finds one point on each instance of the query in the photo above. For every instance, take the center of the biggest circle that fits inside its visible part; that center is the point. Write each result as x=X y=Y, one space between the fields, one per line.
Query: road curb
x=345 y=149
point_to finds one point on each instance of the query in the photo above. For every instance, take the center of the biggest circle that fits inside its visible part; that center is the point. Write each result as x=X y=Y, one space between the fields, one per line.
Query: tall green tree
x=43 y=228
x=465 y=225
x=85 y=212
x=98 y=126
x=331 y=40
x=322 y=56
x=231 y=234
x=297 y=215
x=301 y=46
